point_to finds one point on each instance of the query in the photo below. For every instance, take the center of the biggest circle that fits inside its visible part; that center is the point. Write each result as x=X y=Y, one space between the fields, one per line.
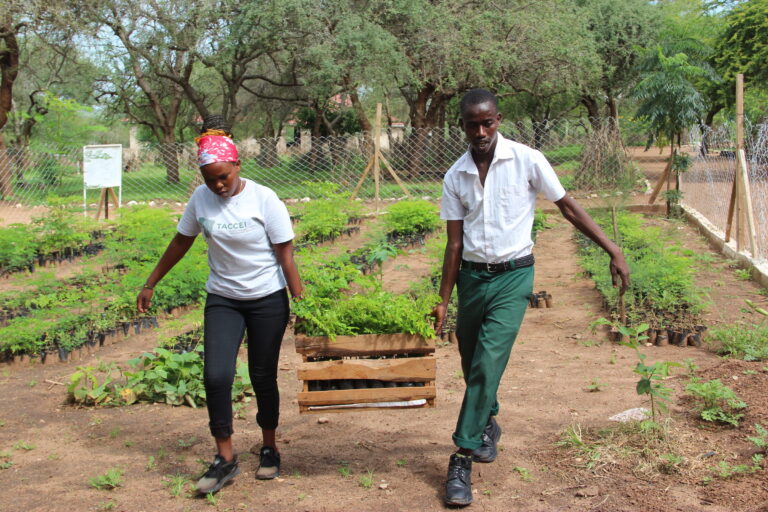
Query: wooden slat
x=362 y=396
x=306 y=410
x=416 y=369
x=364 y=345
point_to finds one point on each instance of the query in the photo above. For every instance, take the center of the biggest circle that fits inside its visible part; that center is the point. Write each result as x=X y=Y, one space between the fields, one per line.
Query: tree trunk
x=9 y=70
x=593 y=110
x=6 y=171
x=169 y=155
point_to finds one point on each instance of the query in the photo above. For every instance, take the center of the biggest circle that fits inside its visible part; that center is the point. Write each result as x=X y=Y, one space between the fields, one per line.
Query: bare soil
x=544 y=391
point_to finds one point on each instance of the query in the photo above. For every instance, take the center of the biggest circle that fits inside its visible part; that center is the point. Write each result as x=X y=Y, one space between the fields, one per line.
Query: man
x=489 y=198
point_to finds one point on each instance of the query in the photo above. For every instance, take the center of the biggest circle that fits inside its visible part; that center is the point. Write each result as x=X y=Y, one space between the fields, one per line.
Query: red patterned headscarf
x=215 y=147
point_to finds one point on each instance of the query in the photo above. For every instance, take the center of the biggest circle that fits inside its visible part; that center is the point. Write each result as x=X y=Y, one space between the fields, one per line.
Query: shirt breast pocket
x=513 y=202
x=468 y=199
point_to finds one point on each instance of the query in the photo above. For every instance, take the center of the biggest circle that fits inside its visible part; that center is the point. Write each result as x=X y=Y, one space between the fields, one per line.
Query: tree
x=743 y=45
x=9 y=71
x=621 y=30
x=550 y=59
x=145 y=70
x=669 y=100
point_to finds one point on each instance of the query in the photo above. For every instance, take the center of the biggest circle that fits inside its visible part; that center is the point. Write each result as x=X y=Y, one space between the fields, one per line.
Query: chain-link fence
x=586 y=156
x=708 y=183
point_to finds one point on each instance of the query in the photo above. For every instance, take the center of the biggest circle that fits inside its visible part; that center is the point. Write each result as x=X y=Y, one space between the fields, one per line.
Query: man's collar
x=502 y=151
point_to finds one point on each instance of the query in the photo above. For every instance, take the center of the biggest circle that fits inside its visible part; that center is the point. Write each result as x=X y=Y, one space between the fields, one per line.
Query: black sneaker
x=218 y=474
x=269 y=464
x=458 y=487
x=487 y=452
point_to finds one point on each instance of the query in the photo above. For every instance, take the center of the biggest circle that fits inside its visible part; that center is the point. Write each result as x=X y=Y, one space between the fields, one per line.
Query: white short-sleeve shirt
x=240 y=231
x=498 y=217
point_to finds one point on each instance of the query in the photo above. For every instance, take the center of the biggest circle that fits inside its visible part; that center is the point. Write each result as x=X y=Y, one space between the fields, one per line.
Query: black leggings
x=225 y=323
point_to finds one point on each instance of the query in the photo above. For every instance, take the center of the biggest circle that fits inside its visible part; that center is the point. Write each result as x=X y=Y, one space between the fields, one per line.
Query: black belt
x=525 y=261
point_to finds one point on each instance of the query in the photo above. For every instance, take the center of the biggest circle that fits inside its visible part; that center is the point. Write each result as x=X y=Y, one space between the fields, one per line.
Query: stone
x=132 y=203
x=305 y=200
x=588 y=492
x=322 y=420
x=636 y=414
x=383 y=486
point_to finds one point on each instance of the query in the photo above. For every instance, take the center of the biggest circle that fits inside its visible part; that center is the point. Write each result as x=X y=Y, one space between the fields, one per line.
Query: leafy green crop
x=163 y=376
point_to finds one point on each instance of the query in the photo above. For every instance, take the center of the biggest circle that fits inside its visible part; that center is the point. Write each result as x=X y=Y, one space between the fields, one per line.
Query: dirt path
x=543 y=391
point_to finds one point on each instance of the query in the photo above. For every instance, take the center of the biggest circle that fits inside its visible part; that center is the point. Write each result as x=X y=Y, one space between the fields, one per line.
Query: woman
x=250 y=255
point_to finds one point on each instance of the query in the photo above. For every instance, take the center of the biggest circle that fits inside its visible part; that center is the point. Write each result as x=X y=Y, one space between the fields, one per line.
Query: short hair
x=477 y=97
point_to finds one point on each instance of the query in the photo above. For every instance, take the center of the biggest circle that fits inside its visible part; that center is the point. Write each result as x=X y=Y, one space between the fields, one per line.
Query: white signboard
x=103 y=165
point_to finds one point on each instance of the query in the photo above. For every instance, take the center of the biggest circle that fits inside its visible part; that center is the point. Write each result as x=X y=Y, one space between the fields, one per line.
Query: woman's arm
x=284 y=253
x=175 y=251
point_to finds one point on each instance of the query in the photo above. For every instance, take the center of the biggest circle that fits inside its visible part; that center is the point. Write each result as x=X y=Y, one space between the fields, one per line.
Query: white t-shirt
x=498 y=217
x=239 y=231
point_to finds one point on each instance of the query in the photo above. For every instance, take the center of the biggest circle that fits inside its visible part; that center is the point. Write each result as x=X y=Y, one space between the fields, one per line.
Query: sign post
x=103 y=169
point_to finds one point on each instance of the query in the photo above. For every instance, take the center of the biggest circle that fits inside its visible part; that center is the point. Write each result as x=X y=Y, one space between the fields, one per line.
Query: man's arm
x=451 y=264
x=581 y=220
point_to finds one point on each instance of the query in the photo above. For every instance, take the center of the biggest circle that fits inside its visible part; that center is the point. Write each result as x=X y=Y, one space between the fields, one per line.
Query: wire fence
x=708 y=183
x=588 y=157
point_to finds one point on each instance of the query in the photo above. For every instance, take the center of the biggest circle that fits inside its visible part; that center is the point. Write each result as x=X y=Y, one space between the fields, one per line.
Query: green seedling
x=110 y=480
x=128 y=444
x=114 y=432
x=458 y=374
x=743 y=274
x=23 y=445
x=151 y=463
x=32 y=383
x=344 y=470
x=302 y=496
x=211 y=499
x=401 y=462
x=651 y=376
x=6 y=464
x=595 y=386
x=366 y=480
x=107 y=505
x=295 y=473
x=176 y=484
x=761 y=439
x=186 y=443
x=525 y=475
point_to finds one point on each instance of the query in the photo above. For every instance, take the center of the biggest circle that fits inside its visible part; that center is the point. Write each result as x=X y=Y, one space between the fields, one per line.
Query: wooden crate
x=356 y=359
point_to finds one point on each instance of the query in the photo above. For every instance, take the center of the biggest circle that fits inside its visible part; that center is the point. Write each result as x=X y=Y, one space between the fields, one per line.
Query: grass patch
x=741 y=341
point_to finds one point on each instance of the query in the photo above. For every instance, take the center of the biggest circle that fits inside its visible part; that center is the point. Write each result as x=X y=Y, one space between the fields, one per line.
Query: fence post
x=741 y=194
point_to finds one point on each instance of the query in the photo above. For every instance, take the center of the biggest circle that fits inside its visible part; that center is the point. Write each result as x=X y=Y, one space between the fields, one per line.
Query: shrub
x=411 y=217
x=716 y=402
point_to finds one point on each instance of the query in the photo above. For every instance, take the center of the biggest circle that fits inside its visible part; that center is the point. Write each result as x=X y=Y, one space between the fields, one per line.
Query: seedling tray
x=367 y=372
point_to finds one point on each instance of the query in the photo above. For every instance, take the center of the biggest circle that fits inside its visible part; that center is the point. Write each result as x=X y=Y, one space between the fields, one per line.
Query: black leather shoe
x=487 y=452
x=458 y=487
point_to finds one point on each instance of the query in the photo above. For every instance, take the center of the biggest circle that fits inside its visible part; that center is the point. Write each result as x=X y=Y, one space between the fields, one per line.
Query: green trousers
x=491 y=309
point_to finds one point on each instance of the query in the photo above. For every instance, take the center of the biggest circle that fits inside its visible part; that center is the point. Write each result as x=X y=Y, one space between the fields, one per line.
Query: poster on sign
x=103 y=165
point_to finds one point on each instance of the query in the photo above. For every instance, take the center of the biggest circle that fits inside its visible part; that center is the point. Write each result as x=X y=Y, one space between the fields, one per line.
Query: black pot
x=63 y=354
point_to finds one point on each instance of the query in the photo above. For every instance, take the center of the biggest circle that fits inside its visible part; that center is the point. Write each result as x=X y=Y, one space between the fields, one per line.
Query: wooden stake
x=374 y=164
x=664 y=178
x=746 y=194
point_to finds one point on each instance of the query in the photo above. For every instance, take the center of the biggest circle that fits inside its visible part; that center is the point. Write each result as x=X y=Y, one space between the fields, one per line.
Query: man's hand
x=619 y=270
x=144 y=300
x=439 y=313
